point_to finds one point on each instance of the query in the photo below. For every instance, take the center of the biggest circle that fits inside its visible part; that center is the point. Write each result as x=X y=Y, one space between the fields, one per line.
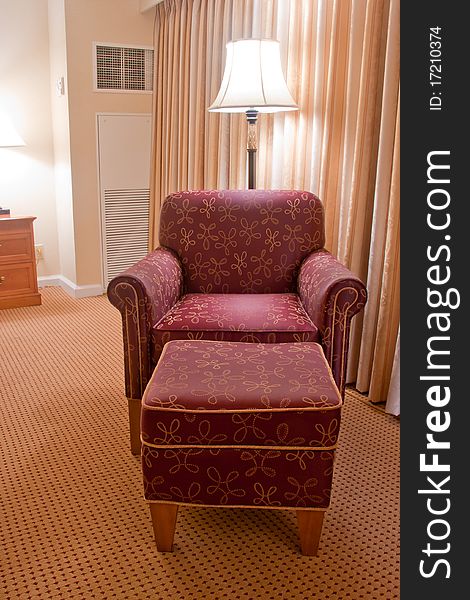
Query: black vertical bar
x=434 y=333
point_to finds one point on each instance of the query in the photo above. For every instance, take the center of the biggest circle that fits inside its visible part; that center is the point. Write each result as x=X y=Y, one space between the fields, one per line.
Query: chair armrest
x=143 y=294
x=331 y=295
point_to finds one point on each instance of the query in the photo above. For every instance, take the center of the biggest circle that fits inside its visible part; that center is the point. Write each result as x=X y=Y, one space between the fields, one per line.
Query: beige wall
x=27 y=173
x=61 y=136
x=88 y=21
x=54 y=177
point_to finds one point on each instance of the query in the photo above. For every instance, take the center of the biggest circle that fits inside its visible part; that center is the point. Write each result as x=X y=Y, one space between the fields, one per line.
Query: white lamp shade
x=9 y=138
x=253 y=79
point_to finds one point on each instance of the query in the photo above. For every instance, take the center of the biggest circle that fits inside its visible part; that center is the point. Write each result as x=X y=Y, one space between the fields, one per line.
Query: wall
x=27 y=173
x=61 y=136
x=148 y=4
x=54 y=177
x=86 y=21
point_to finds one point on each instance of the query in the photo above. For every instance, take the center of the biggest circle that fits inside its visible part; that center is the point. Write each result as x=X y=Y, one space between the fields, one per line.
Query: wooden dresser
x=18 y=278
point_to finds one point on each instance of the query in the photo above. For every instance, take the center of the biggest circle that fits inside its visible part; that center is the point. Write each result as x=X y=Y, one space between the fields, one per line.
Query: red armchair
x=243 y=266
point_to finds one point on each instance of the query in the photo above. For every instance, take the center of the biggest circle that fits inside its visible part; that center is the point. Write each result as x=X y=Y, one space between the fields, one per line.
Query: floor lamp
x=253 y=83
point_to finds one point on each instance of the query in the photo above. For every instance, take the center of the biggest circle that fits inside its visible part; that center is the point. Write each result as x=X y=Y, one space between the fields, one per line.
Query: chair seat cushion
x=206 y=393
x=260 y=318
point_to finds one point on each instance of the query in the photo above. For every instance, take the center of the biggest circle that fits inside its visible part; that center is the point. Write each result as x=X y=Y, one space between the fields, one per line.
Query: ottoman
x=236 y=424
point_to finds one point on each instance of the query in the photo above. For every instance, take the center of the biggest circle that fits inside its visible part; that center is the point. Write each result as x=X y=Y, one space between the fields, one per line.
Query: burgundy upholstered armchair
x=243 y=266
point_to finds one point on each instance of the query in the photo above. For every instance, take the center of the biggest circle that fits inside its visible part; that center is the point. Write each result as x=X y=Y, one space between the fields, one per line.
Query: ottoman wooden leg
x=164 y=524
x=310 y=523
x=134 y=424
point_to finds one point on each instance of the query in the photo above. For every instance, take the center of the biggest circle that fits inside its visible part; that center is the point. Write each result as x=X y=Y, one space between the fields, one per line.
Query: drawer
x=17 y=279
x=14 y=248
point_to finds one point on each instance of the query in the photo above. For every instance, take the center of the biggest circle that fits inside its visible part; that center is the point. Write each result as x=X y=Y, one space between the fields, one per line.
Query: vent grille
x=124 y=69
x=126 y=235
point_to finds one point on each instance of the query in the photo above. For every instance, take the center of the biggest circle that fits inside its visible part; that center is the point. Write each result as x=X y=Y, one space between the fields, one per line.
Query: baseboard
x=72 y=289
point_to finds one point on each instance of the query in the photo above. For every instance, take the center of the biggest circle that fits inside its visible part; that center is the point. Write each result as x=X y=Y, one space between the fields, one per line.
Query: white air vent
x=123 y=68
x=126 y=229
x=124 y=147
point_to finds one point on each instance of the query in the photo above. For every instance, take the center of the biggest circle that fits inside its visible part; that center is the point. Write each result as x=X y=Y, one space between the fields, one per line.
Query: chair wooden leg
x=310 y=524
x=134 y=424
x=164 y=524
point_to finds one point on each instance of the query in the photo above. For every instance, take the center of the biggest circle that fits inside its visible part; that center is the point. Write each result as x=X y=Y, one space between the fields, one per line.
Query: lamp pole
x=251 y=147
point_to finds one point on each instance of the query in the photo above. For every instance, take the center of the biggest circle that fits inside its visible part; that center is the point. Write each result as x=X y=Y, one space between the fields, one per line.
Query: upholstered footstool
x=236 y=424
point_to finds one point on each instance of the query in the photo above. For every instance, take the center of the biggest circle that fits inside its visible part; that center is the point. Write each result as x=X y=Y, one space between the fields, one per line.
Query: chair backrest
x=242 y=241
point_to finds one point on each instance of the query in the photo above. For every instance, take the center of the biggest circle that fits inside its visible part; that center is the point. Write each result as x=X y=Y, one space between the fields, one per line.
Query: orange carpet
x=73 y=523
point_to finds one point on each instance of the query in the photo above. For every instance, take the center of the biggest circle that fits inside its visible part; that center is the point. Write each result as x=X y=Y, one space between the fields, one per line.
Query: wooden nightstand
x=18 y=278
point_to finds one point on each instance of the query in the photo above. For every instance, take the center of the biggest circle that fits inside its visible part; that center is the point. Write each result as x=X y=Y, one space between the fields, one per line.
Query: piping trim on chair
x=204 y=411
x=237 y=505
x=235 y=447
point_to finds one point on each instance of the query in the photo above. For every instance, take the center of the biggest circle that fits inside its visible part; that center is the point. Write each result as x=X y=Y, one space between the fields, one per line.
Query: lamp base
x=251 y=117
x=251 y=168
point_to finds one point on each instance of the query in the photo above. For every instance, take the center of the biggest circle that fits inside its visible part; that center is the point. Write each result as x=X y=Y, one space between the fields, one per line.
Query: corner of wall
x=61 y=137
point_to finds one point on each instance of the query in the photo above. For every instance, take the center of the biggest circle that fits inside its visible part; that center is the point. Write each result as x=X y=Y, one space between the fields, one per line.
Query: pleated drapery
x=341 y=61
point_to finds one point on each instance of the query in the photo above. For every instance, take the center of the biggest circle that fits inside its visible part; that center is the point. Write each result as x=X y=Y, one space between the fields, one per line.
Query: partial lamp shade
x=9 y=138
x=253 y=79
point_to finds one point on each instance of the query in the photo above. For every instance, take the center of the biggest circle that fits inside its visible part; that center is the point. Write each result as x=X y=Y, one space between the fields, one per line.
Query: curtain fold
x=393 y=398
x=341 y=61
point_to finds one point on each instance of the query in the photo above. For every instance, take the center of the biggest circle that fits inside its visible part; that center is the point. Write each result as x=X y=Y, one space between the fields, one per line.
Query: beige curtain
x=341 y=60
x=193 y=149
x=392 y=405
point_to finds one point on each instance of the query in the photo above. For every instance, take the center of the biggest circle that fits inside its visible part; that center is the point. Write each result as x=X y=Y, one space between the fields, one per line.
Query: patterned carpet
x=73 y=523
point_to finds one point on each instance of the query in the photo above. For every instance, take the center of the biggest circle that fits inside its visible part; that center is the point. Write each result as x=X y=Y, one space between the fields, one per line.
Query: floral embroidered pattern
x=206 y=374
x=304 y=493
x=260 y=459
x=238 y=312
x=222 y=485
x=217 y=394
x=238 y=477
x=220 y=225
